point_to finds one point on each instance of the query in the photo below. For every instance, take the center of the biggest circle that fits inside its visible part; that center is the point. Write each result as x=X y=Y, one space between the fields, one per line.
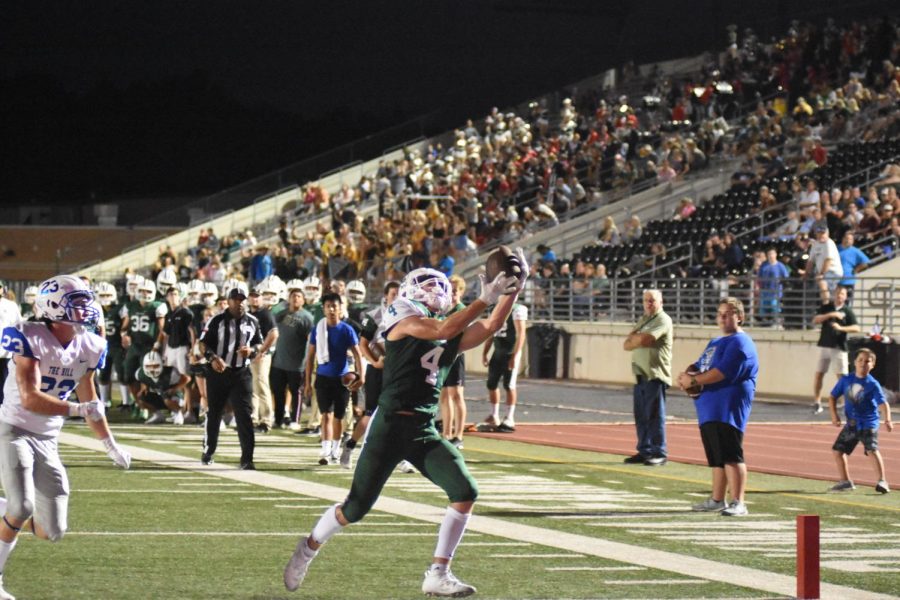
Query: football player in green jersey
x=504 y=364
x=419 y=351
x=107 y=296
x=160 y=387
x=142 y=322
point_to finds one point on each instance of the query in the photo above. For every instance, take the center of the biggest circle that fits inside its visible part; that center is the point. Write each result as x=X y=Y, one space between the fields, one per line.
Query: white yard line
x=636 y=555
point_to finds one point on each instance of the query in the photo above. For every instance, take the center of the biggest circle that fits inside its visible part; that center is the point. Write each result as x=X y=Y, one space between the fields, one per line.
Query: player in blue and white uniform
x=51 y=358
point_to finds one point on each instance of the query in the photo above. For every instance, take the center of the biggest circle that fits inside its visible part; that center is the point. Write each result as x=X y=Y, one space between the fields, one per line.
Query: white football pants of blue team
x=34 y=479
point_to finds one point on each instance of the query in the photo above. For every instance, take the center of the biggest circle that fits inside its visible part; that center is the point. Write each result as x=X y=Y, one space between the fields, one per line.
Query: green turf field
x=550 y=523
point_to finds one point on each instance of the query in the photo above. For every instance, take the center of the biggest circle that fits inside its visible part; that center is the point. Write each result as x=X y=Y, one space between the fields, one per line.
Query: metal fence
x=786 y=304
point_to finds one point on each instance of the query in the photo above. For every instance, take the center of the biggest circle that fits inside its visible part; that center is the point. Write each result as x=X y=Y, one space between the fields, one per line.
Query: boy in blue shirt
x=862 y=397
x=329 y=343
x=726 y=376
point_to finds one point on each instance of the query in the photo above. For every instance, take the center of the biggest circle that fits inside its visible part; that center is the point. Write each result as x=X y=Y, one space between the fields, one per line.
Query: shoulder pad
x=402 y=308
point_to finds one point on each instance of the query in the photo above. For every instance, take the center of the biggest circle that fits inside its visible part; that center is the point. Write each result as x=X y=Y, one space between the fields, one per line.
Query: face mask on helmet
x=165 y=280
x=106 y=293
x=147 y=291
x=152 y=365
x=428 y=287
x=67 y=299
x=312 y=288
x=210 y=293
x=131 y=287
x=356 y=292
x=194 y=291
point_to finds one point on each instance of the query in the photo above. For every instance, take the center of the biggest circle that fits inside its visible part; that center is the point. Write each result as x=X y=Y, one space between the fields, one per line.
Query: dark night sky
x=313 y=74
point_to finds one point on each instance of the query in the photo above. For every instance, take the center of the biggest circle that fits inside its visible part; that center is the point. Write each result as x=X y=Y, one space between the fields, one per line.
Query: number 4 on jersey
x=430 y=362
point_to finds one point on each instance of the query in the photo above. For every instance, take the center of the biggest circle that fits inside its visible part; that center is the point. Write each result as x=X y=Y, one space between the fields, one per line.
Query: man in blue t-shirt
x=862 y=397
x=329 y=343
x=772 y=274
x=726 y=374
x=853 y=260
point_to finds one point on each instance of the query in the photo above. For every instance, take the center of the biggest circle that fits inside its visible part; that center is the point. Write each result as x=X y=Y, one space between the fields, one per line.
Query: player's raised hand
x=501 y=285
x=523 y=265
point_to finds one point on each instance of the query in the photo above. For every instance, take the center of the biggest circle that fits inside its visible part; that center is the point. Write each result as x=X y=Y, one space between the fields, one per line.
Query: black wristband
x=209 y=354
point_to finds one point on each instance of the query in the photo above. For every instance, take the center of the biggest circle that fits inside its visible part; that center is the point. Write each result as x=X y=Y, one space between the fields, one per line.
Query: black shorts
x=723 y=444
x=498 y=368
x=457 y=373
x=332 y=396
x=372 y=387
x=850 y=436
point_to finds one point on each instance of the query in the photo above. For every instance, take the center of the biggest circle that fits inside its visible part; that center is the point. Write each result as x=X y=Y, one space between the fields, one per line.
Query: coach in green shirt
x=650 y=344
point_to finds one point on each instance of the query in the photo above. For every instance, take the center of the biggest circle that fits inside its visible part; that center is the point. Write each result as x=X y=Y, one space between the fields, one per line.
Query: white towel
x=322 y=356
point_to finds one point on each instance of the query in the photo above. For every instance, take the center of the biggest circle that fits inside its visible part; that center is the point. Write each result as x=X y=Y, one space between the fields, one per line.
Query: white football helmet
x=30 y=294
x=356 y=291
x=67 y=299
x=429 y=287
x=132 y=284
x=230 y=283
x=294 y=284
x=146 y=291
x=182 y=290
x=312 y=289
x=210 y=293
x=277 y=284
x=194 y=291
x=152 y=364
x=106 y=293
x=166 y=279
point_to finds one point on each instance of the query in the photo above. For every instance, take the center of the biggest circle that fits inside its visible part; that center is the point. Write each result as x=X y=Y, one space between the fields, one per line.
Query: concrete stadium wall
x=787 y=358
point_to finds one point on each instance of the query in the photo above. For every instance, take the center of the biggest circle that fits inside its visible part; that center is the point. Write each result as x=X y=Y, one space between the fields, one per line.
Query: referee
x=230 y=341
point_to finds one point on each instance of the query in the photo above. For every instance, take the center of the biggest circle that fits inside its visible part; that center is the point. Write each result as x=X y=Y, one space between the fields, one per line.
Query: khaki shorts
x=177 y=358
x=834 y=358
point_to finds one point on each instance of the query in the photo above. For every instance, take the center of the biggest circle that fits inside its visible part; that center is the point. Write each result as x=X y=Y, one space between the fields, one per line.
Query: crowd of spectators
x=510 y=175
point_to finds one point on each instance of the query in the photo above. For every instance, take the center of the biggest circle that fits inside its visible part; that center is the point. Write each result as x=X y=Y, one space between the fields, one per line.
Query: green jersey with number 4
x=142 y=321
x=414 y=369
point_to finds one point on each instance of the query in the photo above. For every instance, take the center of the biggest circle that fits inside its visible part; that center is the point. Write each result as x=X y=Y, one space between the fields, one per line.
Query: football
x=348 y=378
x=377 y=349
x=694 y=390
x=499 y=260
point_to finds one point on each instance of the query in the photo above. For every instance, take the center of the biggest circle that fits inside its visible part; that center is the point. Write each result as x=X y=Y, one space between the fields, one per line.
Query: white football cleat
x=177 y=418
x=298 y=565
x=4 y=595
x=156 y=418
x=406 y=467
x=445 y=584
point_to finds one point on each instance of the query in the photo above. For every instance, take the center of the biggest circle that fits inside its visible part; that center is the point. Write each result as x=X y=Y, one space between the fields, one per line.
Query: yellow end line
x=657 y=475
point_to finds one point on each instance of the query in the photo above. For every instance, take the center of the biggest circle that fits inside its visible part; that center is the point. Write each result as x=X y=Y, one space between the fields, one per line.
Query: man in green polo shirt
x=650 y=344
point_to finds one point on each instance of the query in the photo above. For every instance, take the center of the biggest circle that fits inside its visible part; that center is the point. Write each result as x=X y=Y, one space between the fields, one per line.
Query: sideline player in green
x=419 y=351
x=142 y=320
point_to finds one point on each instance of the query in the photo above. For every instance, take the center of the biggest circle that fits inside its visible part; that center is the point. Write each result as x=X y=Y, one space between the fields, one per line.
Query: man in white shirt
x=825 y=262
x=9 y=316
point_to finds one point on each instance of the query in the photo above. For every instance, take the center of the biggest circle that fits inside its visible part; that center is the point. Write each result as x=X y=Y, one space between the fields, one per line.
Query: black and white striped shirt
x=224 y=334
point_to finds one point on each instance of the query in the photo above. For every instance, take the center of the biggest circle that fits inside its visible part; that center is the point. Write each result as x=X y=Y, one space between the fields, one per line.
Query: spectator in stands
x=609 y=233
x=772 y=274
x=853 y=260
x=685 y=209
x=808 y=198
x=732 y=253
x=261 y=266
x=870 y=224
x=632 y=231
x=824 y=262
